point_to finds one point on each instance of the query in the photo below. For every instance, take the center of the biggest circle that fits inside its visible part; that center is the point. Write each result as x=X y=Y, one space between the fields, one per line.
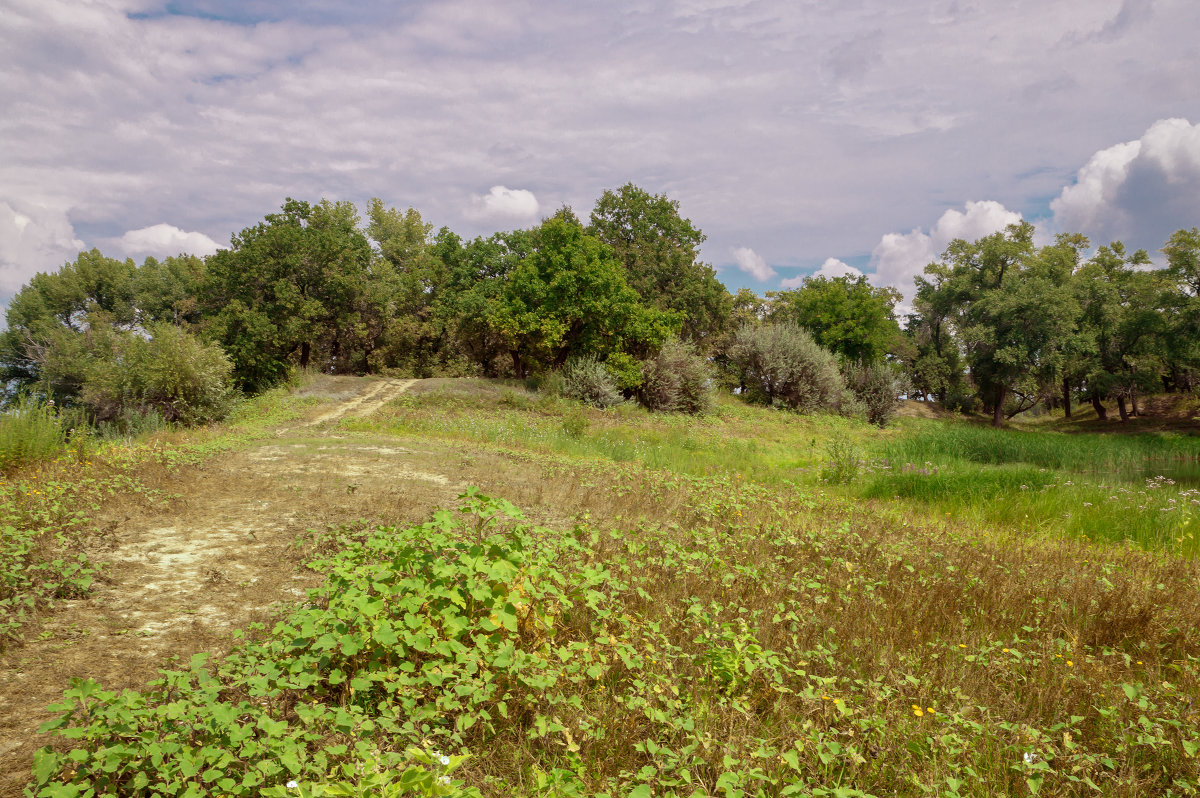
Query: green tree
x=49 y=318
x=1183 y=308
x=660 y=251
x=407 y=284
x=846 y=315
x=1122 y=318
x=169 y=290
x=1009 y=310
x=290 y=286
x=568 y=297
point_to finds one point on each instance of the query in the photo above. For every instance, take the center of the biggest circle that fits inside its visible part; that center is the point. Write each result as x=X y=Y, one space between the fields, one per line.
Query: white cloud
x=130 y=118
x=504 y=204
x=832 y=267
x=164 y=240
x=32 y=239
x=750 y=262
x=1137 y=191
x=899 y=257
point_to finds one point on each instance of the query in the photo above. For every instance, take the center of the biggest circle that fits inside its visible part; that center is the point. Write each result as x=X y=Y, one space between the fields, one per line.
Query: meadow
x=748 y=603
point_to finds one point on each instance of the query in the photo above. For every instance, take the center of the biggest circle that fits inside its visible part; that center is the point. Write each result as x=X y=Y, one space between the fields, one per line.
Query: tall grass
x=1099 y=487
x=938 y=441
x=29 y=431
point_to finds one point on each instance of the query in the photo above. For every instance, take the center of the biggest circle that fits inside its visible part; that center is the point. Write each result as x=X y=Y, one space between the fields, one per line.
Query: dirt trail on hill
x=226 y=552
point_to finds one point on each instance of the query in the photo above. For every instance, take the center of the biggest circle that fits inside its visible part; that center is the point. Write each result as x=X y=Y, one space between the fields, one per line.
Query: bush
x=586 y=379
x=782 y=364
x=29 y=431
x=171 y=374
x=876 y=388
x=676 y=380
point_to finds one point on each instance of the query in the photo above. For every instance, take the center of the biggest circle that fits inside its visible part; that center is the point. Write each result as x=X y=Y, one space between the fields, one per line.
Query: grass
x=710 y=616
x=1042 y=483
x=30 y=431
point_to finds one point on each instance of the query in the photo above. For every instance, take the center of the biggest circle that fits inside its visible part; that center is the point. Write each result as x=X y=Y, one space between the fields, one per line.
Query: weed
x=30 y=431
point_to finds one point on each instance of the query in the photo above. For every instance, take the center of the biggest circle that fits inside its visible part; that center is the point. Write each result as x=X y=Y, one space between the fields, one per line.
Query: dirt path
x=181 y=581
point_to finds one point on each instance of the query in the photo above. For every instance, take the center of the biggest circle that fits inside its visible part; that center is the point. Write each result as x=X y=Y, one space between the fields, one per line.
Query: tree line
x=997 y=323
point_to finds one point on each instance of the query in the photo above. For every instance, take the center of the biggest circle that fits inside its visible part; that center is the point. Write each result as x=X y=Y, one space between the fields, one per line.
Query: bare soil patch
x=222 y=557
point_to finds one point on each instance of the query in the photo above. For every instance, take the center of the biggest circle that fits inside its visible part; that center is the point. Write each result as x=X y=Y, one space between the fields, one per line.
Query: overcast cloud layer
x=822 y=135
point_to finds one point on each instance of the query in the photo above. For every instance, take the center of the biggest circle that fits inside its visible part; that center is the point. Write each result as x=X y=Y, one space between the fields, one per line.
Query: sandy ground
x=225 y=555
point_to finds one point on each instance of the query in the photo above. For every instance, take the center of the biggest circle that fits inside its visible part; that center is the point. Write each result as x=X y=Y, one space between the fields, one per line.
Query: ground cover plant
x=754 y=650
x=707 y=613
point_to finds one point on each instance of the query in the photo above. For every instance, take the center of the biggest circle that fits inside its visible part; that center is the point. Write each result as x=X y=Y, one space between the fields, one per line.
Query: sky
x=802 y=136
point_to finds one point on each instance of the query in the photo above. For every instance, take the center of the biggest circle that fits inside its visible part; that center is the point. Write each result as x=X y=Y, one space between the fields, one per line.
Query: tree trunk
x=998 y=408
x=305 y=354
x=1066 y=398
x=1101 y=411
x=1133 y=401
x=518 y=367
x=1121 y=406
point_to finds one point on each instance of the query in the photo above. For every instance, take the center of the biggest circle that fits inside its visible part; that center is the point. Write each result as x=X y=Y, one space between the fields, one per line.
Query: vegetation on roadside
x=998 y=324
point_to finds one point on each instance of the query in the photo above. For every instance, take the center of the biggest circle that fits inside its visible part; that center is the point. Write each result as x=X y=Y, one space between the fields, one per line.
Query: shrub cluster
x=170 y=374
x=876 y=389
x=781 y=364
x=586 y=379
x=676 y=380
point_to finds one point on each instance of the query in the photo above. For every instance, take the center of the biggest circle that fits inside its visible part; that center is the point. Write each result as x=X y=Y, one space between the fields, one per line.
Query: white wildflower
x=291 y=785
x=445 y=760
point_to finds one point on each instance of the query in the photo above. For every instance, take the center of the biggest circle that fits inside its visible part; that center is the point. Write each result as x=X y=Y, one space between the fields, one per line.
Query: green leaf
x=45 y=764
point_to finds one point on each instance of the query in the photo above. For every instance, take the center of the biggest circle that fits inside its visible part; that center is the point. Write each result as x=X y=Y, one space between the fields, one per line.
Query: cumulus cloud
x=164 y=240
x=504 y=204
x=831 y=268
x=32 y=239
x=1136 y=191
x=899 y=257
x=750 y=262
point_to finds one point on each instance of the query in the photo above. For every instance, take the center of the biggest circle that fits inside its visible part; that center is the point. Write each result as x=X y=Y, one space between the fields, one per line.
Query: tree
x=846 y=315
x=50 y=318
x=477 y=273
x=408 y=280
x=1120 y=314
x=169 y=290
x=1008 y=308
x=659 y=250
x=568 y=297
x=290 y=286
x=1183 y=309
